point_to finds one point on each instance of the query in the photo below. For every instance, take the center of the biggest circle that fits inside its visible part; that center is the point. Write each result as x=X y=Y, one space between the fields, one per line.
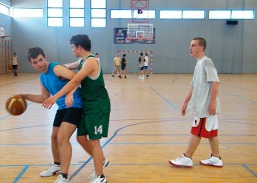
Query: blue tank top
x=54 y=84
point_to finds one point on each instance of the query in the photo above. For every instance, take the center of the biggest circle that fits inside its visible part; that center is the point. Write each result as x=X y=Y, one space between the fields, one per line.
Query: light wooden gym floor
x=146 y=130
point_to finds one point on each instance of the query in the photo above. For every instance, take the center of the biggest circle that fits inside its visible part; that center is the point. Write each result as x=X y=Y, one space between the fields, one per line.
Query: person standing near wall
x=140 y=64
x=146 y=66
x=203 y=102
x=123 y=65
x=15 y=64
x=97 y=56
x=116 y=63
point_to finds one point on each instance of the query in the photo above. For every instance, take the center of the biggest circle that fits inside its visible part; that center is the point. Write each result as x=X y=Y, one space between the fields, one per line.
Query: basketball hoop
x=140 y=31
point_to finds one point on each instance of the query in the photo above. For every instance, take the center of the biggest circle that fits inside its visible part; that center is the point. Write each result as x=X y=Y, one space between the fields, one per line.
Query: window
x=98 y=3
x=98 y=13
x=170 y=14
x=98 y=22
x=219 y=14
x=193 y=14
x=4 y=9
x=182 y=14
x=18 y=12
x=121 y=14
x=77 y=13
x=144 y=14
x=54 y=13
x=55 y=3
x=242 y=14
x=231 y=14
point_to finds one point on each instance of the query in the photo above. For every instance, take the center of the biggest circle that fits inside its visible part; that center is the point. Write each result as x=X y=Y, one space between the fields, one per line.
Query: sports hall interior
x=146 y=126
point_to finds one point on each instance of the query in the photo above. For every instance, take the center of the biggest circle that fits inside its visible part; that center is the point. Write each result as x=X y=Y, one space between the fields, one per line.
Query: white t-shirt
x=146 y=61
x=205 y=73
x=15 y=60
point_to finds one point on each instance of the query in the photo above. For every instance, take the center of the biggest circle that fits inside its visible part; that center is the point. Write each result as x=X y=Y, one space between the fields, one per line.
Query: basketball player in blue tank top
x=53 y=77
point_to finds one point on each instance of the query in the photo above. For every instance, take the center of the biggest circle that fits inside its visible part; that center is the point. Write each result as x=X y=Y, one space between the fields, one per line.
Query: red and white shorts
x=205 y=127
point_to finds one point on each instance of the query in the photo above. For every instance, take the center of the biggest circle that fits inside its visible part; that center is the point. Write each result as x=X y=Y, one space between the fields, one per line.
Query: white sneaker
x=182 y=161
x=105 y=164
x=61 y=179
x=54 y=169
x=139 y=77
x=212 y=161
x=99 y=179
x=142 y=77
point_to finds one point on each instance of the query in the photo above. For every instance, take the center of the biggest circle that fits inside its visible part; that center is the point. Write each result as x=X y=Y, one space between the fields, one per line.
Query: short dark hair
x=34 y=52
x=124 y=55
x=81 y=40
x=201 y=42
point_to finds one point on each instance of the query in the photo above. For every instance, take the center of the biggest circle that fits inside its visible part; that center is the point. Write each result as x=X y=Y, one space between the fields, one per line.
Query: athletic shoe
x=139 y=77
x=99 y=179
x=142 y=77
x=212 y=161
x=125 y=77
x=147 y=77
x=182 y=161
x=112 y=75
x=120 y=77
x=61 y=179
x=54 y=169
x=105 y=164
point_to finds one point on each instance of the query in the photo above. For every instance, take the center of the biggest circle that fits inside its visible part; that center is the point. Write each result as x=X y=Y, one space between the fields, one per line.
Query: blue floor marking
x=249 y=170
x=21 y=174
x=172 y=105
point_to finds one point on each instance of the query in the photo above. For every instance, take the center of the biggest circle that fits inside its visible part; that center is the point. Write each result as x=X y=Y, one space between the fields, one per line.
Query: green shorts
x=95 y=125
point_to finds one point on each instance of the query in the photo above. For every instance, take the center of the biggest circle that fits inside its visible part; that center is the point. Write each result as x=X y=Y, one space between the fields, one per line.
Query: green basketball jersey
x=95 y=95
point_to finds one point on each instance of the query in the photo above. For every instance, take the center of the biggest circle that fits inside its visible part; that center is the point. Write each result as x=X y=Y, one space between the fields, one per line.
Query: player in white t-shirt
x=15 y=64
x=202 y=101
x=146 y=65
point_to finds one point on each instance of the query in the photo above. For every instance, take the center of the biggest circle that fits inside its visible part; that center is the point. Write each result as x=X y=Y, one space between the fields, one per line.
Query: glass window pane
x=219 y=14
x=193 y=14
x=242 y=14
x=145 y=14
x=98 y=22
x=100 y=13
x=54 y=12
x=76 y=22
x=4 y=9
x=76 y=3
x=77 y=13
x=54 y=3
x=121 y=14
x=56 y=22
x=27 y=12
x=98 y=3
x=171 y=14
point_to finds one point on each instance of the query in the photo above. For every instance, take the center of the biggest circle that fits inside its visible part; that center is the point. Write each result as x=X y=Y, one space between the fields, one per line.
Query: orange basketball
x=16 y=105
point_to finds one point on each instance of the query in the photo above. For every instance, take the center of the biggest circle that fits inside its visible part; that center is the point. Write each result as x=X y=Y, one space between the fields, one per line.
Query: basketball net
x=140 y=38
